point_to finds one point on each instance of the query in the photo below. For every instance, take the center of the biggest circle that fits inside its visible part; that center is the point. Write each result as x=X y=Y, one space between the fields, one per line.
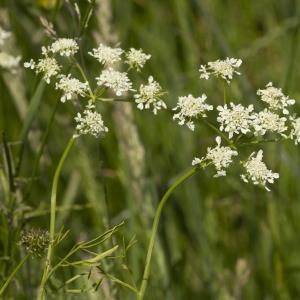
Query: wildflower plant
x=235 y=125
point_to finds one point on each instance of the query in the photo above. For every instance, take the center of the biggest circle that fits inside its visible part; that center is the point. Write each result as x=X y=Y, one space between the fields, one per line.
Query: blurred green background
x=218 y=238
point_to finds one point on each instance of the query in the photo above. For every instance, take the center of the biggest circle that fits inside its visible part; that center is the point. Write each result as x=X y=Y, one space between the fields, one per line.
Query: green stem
x=158 y=212
x=257 y=142
x=78 y=66
x=53 y=216
x=87 y=17
x=13 y=273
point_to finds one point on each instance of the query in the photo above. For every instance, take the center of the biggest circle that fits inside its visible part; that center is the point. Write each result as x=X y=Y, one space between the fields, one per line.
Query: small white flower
x=221 y=68
x=106 y=55
x=149 y=95
x=71 y=87
x=197 y=161
x=9 y=62
x=295 y=133
x=64 y=46
x=268 y=121
x=29 y=64
x=220 y=157
x=189 y=108
x=275 y=98
x=235 y=119
x=204 y=74
x=136 y=58
x=90 y=122
x=4 y=35
x=257 y=171
x=115 y=80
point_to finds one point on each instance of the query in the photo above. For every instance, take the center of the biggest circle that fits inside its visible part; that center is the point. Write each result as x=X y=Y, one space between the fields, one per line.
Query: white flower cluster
x=64 y=47
x=90 y=122
x=269 y=121
x=48 y=66
x=149 y=95
x=71 y=87
x=275 y=98
x=115 y=80
x=107 y=55
x=257 y=171
x=235 y=119
x=191 y=107
x=220 y=157
x=221 y=68
x=7 y=61
x=136 y=58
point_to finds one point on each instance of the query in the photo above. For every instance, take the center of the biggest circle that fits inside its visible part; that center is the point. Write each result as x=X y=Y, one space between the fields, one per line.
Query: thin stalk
x=78 y=66
x=13 y=273
x=158 y=212
x=53 y=216
x=256 y=142
x=86 y=17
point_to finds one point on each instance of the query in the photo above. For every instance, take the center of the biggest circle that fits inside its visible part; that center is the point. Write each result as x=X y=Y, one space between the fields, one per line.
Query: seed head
x=35 y=241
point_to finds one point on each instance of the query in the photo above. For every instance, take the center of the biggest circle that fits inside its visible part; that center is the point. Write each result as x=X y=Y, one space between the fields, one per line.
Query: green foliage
x=218 y=238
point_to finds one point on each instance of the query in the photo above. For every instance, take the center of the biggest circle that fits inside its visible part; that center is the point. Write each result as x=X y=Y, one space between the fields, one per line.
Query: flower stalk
x=184 y=177
x=53 y=217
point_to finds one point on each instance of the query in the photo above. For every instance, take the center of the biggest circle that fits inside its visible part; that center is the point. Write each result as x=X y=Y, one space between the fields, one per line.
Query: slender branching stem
x=184 y=177
x=53 y=217
x=84 y=77
x=13 y=273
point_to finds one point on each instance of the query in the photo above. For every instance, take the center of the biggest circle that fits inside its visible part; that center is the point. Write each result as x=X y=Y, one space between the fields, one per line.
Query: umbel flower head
x=115 y=80
x=48 y=66
x=90 y=122
x=268 y=121
x=71 y=87
x=107 y=55
x=35 y=241
x=275 y=98
x=257 y=171
x=64 y=47
x=136 y=58
x=220 y=157
x=149 y=95
x=235 y=119
x=191 y=107
x=224 y=69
